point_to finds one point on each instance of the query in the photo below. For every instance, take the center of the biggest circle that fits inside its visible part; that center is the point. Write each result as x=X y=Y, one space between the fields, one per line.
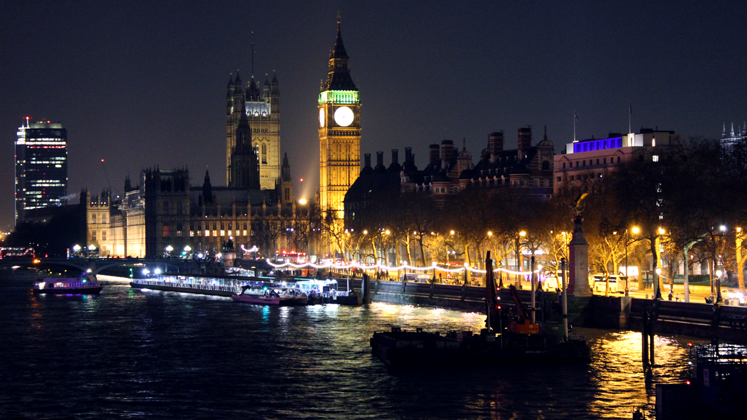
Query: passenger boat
x=271 y=295
x=86 y=284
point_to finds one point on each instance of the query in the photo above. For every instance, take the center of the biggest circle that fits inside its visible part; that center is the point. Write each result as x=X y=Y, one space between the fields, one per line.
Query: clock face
x=344 y=116
x=321 y=117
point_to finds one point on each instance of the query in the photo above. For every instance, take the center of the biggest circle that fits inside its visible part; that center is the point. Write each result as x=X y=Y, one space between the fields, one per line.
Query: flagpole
x=574 y=125
x=630 y=117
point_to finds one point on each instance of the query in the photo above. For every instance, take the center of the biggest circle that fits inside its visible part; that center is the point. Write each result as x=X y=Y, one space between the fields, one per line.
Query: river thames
x=165 y=355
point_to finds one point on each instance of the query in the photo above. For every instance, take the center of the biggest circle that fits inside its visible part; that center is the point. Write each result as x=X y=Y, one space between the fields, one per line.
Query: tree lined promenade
x=670 y=217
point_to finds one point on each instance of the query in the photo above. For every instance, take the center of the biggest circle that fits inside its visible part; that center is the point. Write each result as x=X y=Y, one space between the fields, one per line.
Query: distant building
x=40 y=166
x=527 y=169
x=261 y=108
x=165 y=211
x=586 y=160
x=734 y=136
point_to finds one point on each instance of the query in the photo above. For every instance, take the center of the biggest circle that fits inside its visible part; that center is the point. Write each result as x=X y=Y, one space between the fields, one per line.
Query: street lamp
x=635 y=231
x=519 y=262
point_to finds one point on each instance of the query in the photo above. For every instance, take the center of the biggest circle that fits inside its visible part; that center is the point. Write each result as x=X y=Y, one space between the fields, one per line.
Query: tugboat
x=86 y=284
x=522 y=339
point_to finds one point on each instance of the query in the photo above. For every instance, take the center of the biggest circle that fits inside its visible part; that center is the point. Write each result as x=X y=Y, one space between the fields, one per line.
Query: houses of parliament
x=163 y=214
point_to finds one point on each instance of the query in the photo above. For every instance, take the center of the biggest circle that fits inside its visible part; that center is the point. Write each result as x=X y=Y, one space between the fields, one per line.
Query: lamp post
x=519 y=262
x=635 y=231
x=657 y=262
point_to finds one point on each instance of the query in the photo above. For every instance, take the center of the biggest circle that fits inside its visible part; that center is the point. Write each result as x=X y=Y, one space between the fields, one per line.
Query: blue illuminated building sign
x=601 y=144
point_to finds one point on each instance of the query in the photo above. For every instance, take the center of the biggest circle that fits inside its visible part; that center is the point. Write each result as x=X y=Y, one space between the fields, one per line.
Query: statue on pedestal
x=578 y=251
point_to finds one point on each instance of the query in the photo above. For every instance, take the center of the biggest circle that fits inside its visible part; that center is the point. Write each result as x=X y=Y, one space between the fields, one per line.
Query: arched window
x=93 y=218
x=264 y=153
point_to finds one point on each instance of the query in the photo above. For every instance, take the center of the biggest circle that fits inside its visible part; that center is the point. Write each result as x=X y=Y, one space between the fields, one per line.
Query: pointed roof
x=338 y=51
x=338 y=74
x=237 y=83
x=252 y=90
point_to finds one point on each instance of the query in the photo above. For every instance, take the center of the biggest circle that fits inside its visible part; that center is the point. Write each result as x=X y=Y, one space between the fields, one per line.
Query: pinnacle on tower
x=338 y=74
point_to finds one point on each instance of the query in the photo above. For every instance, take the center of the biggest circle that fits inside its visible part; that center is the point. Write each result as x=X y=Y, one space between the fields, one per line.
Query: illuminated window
x=655 y=158
x=93 y=218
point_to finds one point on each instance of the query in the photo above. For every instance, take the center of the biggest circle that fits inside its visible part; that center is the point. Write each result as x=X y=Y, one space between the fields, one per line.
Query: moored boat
x=271 y=295
x=522 y=339
x=86 y=284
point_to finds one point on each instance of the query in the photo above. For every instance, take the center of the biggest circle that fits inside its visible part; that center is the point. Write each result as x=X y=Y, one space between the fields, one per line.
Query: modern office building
x=583 y=161
x=40 y=166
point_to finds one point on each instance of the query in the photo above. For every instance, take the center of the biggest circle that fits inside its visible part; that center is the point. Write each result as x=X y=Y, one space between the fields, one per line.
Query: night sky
x=142 y=83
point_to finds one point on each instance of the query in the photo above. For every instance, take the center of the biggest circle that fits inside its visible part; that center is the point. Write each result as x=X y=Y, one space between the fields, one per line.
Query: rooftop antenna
x=107 y=175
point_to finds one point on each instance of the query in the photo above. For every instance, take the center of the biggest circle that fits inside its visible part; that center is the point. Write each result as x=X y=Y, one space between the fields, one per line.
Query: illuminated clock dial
x=344 y=116
x=321 y=117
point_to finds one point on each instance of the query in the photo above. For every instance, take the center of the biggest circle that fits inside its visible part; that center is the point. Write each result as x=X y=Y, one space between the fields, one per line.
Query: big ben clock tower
x=339 y=131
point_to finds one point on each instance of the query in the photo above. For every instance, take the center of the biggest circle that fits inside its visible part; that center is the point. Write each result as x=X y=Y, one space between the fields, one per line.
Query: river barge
x=507 y=337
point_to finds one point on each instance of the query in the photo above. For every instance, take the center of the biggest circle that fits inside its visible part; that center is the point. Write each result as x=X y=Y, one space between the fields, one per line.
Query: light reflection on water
x=169 y=355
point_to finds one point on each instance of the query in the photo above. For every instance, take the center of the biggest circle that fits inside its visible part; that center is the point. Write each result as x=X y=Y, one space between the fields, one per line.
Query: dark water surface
x=162 y=355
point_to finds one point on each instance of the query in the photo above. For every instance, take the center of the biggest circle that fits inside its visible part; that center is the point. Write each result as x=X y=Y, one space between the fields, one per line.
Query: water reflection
x=171 y=355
